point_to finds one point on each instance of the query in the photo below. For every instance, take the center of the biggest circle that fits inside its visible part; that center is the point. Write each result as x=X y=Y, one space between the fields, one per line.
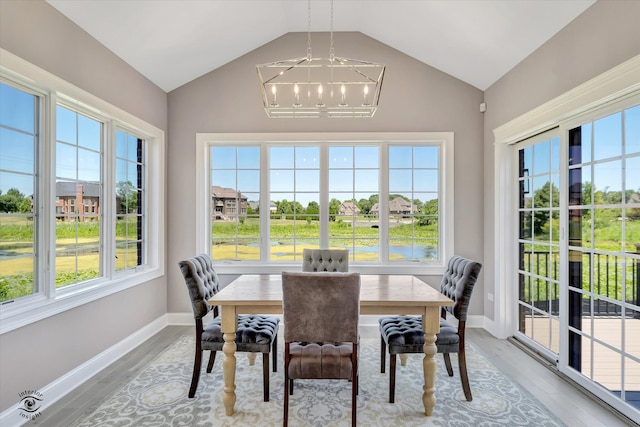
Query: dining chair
x=325 y=260
x=404 y=334
x=321 y=313
x=254 y=334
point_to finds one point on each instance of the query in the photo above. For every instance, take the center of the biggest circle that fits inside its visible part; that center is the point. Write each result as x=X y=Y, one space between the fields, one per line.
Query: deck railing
x=607 y=282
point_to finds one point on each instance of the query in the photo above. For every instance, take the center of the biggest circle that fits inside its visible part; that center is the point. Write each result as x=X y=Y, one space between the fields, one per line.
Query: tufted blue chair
x=403 y=334
x=321 y=314
x=325 y=260
x=255 y=334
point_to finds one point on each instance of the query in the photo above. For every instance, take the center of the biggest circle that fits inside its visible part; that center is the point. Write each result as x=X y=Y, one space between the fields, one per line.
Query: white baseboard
x=62 y=386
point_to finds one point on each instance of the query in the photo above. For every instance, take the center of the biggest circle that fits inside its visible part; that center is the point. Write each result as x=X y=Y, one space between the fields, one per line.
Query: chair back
x=202 y=281
x=457 y=283
x=325 y=260
x=321 y=307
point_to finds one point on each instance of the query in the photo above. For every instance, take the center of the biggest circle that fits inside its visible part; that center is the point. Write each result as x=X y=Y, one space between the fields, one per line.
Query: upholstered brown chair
x=321 y=314
x=325 y=260
x=255 y=334
x=404 y=334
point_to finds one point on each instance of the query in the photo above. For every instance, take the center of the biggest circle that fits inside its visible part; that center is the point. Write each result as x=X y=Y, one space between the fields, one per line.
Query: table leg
x=431 y=326
x=229 y=326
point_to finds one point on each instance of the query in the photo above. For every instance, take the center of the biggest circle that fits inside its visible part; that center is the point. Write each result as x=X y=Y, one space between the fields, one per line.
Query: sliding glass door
x=578 y=282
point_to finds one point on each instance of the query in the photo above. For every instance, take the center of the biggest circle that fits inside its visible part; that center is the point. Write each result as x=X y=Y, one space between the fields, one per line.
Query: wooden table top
x=376 y=290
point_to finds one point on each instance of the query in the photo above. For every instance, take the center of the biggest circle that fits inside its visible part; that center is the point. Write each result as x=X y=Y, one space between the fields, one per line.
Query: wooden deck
x=599 y=362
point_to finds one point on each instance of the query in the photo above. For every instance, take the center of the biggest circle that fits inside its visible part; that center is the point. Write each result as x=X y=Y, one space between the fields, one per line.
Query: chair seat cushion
x=320 y=360
x=255 y=333
x=403 y=334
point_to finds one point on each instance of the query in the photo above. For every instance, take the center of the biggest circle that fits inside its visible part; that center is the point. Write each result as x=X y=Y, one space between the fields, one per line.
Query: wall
x=415 y=98
x=35 y=355
x=604 y=36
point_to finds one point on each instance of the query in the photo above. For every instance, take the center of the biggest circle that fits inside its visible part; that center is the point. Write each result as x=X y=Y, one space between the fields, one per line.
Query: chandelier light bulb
x=366 y=92
x=273 y=92
x=296 y=94
x=320 y=103
x=343 y=91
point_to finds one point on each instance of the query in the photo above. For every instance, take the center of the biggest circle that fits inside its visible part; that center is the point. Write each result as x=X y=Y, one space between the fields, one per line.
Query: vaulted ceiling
x=172 y=42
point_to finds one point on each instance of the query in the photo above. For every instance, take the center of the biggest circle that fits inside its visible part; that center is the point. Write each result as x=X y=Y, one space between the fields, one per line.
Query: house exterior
x=348 y=208
x=227 y=203
x=77 y=200
x=397 y=206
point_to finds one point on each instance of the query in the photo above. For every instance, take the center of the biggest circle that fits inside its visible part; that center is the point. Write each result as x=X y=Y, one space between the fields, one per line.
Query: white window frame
x=446 y=189
x=51 y=301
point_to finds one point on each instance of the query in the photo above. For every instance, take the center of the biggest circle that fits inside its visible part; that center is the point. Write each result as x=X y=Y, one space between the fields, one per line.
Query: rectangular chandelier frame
x=320 y=87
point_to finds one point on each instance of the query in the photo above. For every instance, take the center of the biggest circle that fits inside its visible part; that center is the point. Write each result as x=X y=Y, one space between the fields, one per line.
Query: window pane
x=130 y=203
x=18 y=195
x=400 y=157
x=78 y=197
x=18 y=109
x=607 y=137
x=17 y=151
x=632 y=130
x=235 y=203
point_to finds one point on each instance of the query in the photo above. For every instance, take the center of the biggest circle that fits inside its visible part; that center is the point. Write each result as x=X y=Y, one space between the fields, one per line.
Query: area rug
x=158 y=396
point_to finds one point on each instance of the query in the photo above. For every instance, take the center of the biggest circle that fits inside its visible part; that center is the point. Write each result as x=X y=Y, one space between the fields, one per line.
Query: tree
x=334 y=208
x=128 y=196
x=365 y=206
x=545 y=197
x=313 y=208
x=12 y=201
x=429 y=211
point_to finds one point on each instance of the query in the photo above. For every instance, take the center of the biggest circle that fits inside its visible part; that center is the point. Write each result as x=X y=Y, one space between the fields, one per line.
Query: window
x=129 y=184
x=19 y=144
x=74 y=210
x=386 y=200
x=79 y=150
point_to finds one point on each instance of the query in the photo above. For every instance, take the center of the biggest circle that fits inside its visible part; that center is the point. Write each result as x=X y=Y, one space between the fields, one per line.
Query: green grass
x=17 y=235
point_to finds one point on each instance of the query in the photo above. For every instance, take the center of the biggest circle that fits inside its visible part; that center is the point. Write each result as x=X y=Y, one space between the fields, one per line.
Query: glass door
x=539 y=243
x=578 y=299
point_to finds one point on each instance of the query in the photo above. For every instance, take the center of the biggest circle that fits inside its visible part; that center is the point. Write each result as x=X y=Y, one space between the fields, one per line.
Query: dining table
x=379 y=295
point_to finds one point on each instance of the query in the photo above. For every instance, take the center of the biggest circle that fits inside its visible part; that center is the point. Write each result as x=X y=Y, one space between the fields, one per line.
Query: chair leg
x=274 y=350
x=447 y=363
x=196 y=373
x=285 y=420
x=290 y=386
x=392 y=378
x=383 y=354
x=212 y=359
x=354 y=385
x=265 y=376
x=464 y=378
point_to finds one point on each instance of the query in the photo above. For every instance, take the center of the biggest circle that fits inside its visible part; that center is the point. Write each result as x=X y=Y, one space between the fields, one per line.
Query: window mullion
x=324 y=196
x=107 y=215
x=383 y=205
x=46 y=195
x=265 y=204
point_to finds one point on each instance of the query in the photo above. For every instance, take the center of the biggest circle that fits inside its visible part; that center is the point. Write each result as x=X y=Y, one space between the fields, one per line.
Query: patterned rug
x=158 y=396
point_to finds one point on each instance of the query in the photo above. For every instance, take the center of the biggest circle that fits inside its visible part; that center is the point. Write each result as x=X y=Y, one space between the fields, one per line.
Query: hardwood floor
x=570 y=403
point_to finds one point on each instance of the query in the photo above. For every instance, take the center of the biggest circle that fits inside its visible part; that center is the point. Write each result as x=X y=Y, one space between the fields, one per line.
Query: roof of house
x=70 y=188
x=226 y=193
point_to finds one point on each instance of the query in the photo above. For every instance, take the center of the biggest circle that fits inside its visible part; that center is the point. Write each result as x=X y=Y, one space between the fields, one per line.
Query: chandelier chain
x=331 y=50
x=309 y=56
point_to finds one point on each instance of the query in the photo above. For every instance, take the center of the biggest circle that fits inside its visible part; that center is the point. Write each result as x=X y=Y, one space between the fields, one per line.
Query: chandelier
x=320 y=87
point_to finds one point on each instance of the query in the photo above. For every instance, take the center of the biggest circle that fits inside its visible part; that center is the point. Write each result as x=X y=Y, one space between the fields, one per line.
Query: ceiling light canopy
x=320 y=87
